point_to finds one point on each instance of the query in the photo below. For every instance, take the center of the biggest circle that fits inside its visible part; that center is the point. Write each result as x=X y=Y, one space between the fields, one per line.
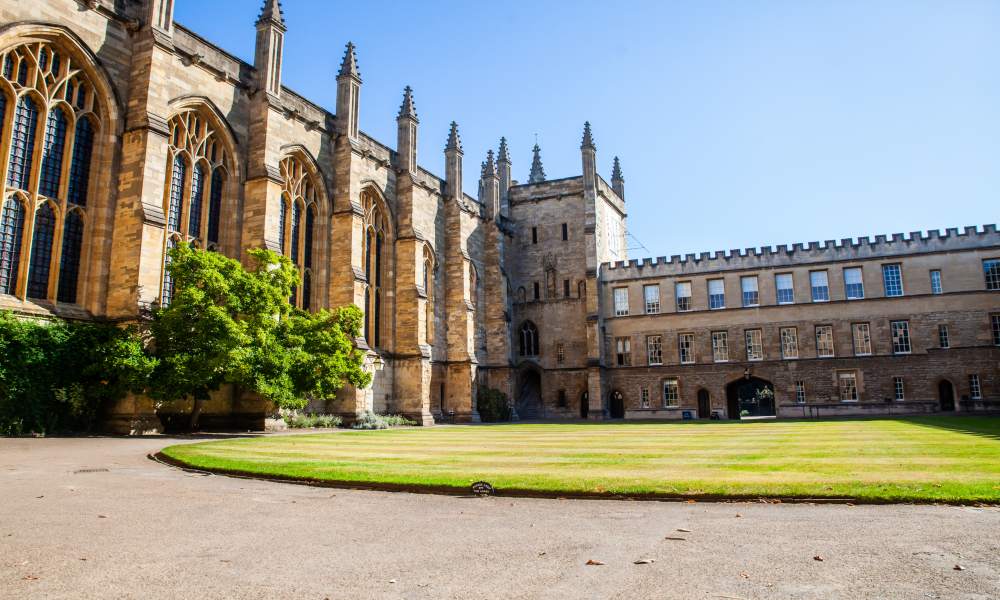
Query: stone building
x=123 y=133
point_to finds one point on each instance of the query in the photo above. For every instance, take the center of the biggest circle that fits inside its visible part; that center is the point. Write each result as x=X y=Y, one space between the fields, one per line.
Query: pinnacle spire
x=588 y=138
x=349 y=66
x=504 y=155
x=271 y=11
x=616 y=171
x=454 y=141
x=489 y=167
x=406 y=109
x=537 y=172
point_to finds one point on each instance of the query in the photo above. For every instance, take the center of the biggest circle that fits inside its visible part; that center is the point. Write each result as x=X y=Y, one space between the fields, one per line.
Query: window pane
x=11 y=230
x=22 y=143
x=41 y=252
x=720 y=346
x=755 y=347
x=683 y=291
x=848 y=386
x=177 y=175
x=824 y=341
x=991 y=269
x=789 y=343
x=820 y=286
x=654 y=349
x=197 y=192
x=749 y=287
x=79 y=173
x=900 y=337
x=621 y=302
x=936 y=287
x=52 y=153
x=651 y=294
x=854 y=287
x=685 y=343
x=69 y=262
x=893 y=280
x=862 y=339
x=783 y=285
x=716 y=293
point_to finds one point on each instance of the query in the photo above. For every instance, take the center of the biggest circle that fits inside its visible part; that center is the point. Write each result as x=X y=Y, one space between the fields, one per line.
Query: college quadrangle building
x=122 y=133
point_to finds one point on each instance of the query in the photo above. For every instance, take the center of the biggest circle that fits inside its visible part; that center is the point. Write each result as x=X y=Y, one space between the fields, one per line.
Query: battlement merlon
x=783 y=256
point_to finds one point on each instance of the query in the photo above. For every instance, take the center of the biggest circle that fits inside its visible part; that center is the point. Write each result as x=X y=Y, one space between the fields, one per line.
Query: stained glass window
x=41 y=252
x=215 y=206
x=79 y=171
x=197 y=191
x=310 y=222
x=176 y=194
x=306 y=289
x=168 y=280
x=22 y=143
x=52 y=153
x=69 y=263
x=295 y=232
x=11 y=227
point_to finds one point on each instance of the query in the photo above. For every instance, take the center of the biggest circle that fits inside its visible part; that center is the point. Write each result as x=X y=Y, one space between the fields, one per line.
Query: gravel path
x=94 y=518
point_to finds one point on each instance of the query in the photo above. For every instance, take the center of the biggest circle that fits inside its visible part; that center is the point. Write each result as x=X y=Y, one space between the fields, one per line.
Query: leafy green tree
x=227 y=324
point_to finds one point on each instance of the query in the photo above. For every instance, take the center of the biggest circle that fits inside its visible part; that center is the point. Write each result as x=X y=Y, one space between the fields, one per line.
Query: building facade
x=123 y=134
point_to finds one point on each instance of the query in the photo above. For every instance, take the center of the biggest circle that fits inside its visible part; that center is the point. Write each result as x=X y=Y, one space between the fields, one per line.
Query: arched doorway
x=529 y=395
x=704 y=404
x=946 y=395
x=616 y=405
x=584 y=405
x=750 y=397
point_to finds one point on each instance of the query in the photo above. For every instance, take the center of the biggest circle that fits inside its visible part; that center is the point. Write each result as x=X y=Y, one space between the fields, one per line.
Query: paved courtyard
x=94 y=518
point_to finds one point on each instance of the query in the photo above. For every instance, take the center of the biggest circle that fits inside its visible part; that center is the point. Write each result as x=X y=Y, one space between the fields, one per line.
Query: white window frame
x=900 y=330
x=991 y=273
x=623 y=351
x=644 y=396
x=975 y=387
x=754 y=347
x=944 y=337
x=778 y=289
x=866 y=338
x=651 y=298
x=672 y=400
x=621 y=301
x=824 y=294
x=898 y=389
x=854 y=283
x=712 y=297
x=720 y=346
x=683 y=302
x=800 y=392
x=937 y=284
x=685 y=348
x=852 y=394
x=654 y=349
x=890 y=290
x=744 y=290
x=824 y=342
x=789 y=337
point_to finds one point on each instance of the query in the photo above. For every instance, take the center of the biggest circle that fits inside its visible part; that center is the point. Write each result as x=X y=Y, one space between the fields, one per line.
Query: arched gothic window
x=199 y=163
x=374 y=224
x=46 y=88
x=11 y=228
x=529 y=339
x=297 y=224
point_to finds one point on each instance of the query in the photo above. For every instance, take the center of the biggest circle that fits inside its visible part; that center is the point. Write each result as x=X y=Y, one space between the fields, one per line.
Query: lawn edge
x=465 y=491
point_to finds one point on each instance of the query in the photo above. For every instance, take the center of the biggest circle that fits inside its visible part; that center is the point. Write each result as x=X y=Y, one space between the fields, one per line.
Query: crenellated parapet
x=847 y=249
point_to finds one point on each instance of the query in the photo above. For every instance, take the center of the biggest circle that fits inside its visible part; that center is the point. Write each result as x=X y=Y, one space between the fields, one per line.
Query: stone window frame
x=671 y=387
x=683 y=302
x=847 y=386
x=620 y=297
x=685 y=348
x=819 y=293
x=652 y=305
x=892 y=280
x=824 y=342
x=780 y=297
x=937 y=282
x=991 y=273
x=750 y=297
x=789 y=343
x=720 y=346
x=800 y=392
x=866 y=338
x=654 y=350
x=716 y=301
x=899 y=331
x=623 y=351
x=975 y=387
x=854 y=290
x=754 y=347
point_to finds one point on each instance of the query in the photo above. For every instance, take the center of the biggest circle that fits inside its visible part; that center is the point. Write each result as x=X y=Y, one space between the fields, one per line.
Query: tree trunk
x=199 y=403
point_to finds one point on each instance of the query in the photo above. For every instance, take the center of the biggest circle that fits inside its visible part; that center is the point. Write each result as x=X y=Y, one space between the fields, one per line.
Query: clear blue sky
x=738 y=123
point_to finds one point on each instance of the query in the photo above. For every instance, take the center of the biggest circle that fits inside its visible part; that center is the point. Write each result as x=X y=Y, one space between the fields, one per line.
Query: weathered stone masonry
x=513 y=289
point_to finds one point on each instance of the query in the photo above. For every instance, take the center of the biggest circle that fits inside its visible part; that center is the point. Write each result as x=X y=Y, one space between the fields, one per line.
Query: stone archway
x=750 y=397
x=529 y=395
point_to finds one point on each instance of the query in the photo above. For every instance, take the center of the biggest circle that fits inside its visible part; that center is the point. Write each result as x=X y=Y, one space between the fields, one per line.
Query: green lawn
x=945 y=459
